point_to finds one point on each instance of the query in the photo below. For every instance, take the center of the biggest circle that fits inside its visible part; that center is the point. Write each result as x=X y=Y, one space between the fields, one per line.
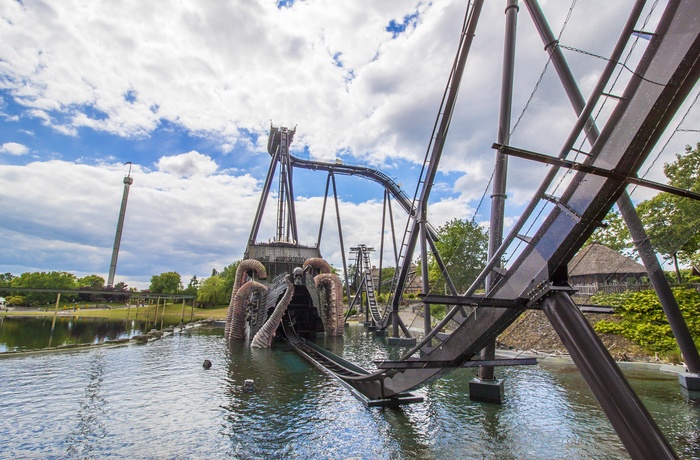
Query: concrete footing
x=402 y=341
x=691 y=384
x=380 y=332
x=490 y=391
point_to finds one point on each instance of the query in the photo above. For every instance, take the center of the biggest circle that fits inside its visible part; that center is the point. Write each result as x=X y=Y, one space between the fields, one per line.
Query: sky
x=187 y=91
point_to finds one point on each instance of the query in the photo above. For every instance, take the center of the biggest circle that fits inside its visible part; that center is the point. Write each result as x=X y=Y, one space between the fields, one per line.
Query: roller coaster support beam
x=498 y=195
x=624 y=203
x=547 y=159
x=340 y=235
x=439 y=141
x=263 y=197
x=634 y=425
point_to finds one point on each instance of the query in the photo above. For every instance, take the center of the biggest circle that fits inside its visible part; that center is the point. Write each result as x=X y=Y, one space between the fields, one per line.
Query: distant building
x=2 y=302
x=597 y=264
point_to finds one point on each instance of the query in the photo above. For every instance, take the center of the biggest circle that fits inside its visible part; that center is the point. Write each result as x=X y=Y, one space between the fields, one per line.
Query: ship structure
x=283 y=288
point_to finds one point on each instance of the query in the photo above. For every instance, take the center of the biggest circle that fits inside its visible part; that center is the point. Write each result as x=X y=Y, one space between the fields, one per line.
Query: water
x=156 y=401
x=29 y=333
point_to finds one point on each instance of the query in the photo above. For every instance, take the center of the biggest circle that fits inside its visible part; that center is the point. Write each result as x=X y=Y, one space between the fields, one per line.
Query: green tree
x=94 y=282
x=166 y=283
x=211 y=291
x=463 y=248
x=613 y=234
x=673 y=222
x=192 y=286
x=5 y=281
x=228 y=278
x=45 y=280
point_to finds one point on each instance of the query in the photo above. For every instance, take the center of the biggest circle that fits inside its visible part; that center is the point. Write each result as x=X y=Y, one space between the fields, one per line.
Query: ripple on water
x=157 y=401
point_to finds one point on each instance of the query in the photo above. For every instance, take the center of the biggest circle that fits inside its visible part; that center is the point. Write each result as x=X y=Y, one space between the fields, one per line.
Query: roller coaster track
x=665 y=75
x=337 y=367
x=362 y=171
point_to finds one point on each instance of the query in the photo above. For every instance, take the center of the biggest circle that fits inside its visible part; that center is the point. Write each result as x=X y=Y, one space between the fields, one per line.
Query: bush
x=352 y=312
x=16 y=300
x=438 y=311
x=643 y=321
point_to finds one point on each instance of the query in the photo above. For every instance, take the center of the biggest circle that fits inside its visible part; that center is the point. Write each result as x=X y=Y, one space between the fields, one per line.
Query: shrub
x=643 y=321
x=438 y=311
x=16 y=300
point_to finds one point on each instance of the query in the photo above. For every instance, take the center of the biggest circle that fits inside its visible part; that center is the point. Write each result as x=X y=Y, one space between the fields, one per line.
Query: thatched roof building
x=598 y=264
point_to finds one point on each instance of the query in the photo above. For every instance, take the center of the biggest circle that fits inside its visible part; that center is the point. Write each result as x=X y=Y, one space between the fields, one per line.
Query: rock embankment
x=533 y=332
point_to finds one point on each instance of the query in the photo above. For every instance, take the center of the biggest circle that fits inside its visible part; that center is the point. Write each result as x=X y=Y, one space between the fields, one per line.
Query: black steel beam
x=419 y=364
x=547 y=159
x=634 y=425
x=473 y=301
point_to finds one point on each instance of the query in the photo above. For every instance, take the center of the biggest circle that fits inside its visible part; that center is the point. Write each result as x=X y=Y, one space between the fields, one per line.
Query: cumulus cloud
x=13 y=148
x=357 y=84
x=187 y=164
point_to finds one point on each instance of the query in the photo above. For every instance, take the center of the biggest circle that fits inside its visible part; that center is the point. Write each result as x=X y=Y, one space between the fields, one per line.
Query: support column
x=486 y=387
x=629 y=418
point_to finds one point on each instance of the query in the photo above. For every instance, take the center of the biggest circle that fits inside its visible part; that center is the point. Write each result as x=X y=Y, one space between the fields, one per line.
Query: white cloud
x=13 y=148
x=187 y=164
x=217 y=70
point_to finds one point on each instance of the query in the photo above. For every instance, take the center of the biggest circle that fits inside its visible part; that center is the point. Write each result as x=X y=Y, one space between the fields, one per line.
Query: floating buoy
x=248 y=386
x=206 y=364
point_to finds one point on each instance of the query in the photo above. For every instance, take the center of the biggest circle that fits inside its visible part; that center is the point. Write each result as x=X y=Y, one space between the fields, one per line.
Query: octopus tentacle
x=334 y=319
x=241 y=271
x=240 y=305
x=263 y=339
x=319 y=264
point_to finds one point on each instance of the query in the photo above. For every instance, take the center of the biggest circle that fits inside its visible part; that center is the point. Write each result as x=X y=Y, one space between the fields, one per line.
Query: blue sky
x=187 y=91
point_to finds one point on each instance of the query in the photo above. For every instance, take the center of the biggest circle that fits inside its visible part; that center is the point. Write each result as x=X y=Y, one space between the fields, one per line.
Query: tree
x=166 y=283
x=5 y=281
x=192 y=286
x=210 y=291
x=463 y=248
x=613 y=234
x=94 y=282
x=673 y=222
x=228 y=278
x=45 y=280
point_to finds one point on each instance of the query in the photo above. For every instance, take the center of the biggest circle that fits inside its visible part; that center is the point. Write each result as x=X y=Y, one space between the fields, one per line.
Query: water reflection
x=30 y=333
x=90 y=428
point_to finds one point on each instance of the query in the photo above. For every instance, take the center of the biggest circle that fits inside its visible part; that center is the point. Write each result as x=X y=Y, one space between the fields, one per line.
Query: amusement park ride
x=284 y=289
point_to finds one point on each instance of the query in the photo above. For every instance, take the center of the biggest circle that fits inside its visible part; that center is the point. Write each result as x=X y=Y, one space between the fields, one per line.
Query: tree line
x=59 y=280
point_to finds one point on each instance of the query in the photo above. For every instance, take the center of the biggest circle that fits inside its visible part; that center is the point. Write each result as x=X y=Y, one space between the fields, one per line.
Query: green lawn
x=173 y=312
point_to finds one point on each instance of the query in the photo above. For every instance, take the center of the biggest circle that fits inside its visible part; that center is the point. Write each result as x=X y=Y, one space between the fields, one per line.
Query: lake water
x=156 y=401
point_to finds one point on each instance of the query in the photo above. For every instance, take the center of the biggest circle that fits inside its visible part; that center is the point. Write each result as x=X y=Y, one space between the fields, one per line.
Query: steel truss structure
x=662 y=80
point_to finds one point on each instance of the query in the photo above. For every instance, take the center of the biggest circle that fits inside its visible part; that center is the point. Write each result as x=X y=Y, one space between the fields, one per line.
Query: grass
x=173 y=312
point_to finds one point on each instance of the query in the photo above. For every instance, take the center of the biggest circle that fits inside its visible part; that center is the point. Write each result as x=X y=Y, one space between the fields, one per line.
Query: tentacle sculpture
x=240 y=306
x=334 y=320
x=319 y=264
x=263 y=339
x=241 y=274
